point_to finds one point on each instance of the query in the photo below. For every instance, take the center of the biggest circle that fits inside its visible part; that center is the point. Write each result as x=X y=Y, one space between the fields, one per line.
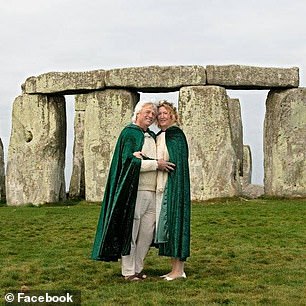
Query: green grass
x=242 y=253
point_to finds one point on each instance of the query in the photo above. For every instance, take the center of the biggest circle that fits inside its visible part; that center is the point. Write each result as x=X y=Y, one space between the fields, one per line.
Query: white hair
x=139 y=106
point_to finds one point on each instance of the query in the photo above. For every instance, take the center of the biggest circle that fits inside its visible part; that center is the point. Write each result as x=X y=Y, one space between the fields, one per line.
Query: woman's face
x=164 y=118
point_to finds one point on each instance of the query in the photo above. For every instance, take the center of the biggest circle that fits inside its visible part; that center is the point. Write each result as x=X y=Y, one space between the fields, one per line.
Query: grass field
x=242 y=253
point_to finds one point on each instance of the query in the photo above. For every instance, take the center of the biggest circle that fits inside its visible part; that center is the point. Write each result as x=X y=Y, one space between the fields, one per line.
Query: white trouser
x=142 y=235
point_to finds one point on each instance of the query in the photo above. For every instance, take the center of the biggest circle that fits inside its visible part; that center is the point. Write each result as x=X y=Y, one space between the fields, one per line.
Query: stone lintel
x=250 y=77
x=162 y=79
x=65 y=82
x=156 y=78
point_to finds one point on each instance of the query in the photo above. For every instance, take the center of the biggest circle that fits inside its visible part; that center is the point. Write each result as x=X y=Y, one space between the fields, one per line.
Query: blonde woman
x=173 y=192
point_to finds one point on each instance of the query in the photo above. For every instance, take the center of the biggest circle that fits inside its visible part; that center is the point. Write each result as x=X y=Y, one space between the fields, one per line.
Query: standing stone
x=247 y=166
x=236 y=131
x=107 y=112
x=249 y=190
x=2 y=173
x=77 y=181
x=36 y=155
x=213 y=163
x=285 y=143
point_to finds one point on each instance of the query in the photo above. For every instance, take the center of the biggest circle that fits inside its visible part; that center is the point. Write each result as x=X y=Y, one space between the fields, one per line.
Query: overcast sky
x=39 y=36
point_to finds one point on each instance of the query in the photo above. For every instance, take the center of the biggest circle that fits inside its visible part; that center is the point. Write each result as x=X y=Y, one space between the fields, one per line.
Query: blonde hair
x=139 y=106
x=171 y=108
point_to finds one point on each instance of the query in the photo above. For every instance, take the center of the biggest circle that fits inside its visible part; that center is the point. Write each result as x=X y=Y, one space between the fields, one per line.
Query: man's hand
x=165 y=165
x=138 y=154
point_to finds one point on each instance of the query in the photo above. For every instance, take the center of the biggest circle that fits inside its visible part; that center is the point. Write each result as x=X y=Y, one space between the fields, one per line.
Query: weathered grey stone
x=247 y=166
x=80 y=103
x=213 y=163
x=77 y=181
x=2 y=173
x=285 y=143
x=249 y=77
x=236 y=131
x=36 y=155
x=252 y=191
x=65 y=82
x=156 y=78
x=107 y=112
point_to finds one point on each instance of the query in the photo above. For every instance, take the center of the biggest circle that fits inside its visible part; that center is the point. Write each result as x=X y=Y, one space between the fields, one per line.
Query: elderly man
x=127 y=219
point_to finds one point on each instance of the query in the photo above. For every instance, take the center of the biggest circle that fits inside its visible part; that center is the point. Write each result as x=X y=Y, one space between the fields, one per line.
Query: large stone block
x=156 y=78
x=247 y=166
x=36 y=155
x=65 y=82
x=285 y=143
x=213 y=162
x=236 y=131
x=77 y=181
x=252 y=191
x=2 y=173
x=249 y=77
x=249 y=190
x=107 y=112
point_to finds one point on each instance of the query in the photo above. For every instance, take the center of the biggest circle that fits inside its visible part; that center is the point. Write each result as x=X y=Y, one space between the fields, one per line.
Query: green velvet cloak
x=114 y=229
x=177 y=198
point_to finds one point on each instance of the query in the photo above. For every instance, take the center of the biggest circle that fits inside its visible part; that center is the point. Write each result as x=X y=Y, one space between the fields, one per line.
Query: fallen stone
x=253 y=191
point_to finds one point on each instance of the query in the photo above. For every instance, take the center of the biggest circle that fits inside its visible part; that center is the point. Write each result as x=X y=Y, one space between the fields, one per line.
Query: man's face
x=146 y=116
